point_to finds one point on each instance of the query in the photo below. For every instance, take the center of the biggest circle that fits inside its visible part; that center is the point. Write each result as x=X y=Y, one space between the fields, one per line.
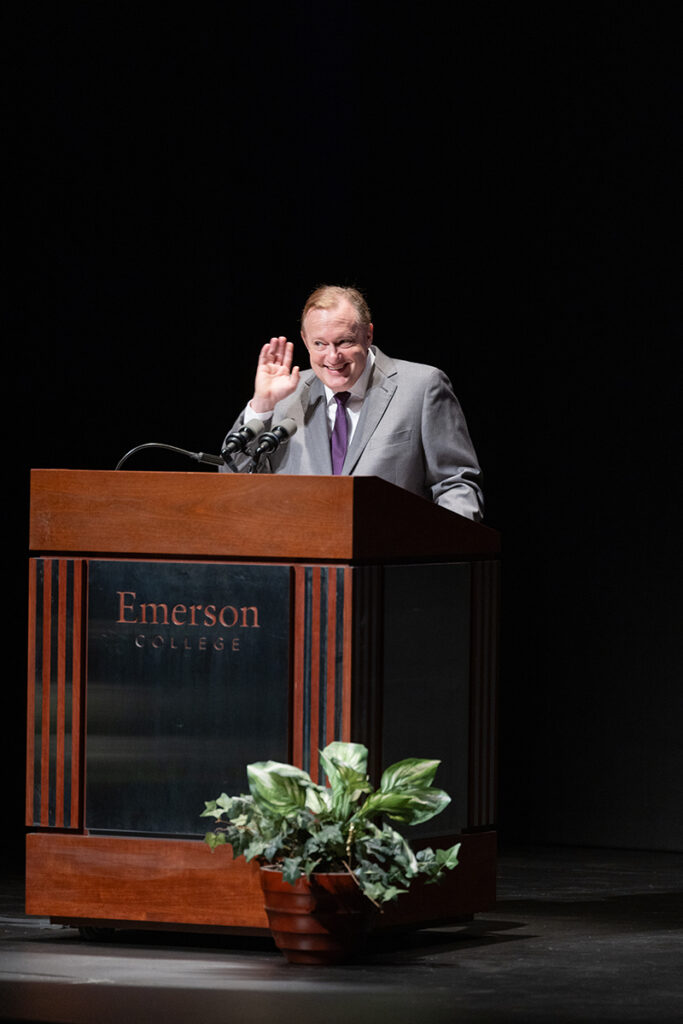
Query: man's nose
x=333 y=354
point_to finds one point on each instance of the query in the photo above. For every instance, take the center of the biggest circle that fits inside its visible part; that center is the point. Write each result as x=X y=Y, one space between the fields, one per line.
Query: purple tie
x=340 y=433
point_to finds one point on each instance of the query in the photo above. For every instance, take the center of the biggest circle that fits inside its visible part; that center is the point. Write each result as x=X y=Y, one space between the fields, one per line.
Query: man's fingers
x=278 y=352
x=287 y=353
x=275 y=351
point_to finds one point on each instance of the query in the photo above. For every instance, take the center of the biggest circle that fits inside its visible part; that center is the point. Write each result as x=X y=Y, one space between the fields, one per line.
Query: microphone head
x=272 y=439
x=253 y=428
x=239 y=439
x=285 y=429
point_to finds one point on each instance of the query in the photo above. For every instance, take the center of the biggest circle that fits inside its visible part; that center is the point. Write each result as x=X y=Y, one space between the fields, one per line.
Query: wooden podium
x=184 y=624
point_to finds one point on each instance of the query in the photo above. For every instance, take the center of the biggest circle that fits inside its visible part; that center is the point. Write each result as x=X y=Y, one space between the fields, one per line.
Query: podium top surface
x=260 y=517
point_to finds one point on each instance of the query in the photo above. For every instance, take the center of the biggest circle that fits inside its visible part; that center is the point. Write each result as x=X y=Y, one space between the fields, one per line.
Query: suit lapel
x=314 y=412
x=381 y=388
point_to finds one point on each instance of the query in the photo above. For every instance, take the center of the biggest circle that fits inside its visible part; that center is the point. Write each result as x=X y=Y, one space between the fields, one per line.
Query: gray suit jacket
x=411 y=432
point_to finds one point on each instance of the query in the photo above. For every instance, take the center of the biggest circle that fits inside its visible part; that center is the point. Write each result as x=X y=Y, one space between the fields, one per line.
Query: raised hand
x=276 y=378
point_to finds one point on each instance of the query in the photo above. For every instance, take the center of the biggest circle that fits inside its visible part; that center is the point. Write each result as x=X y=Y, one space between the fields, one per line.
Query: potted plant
x=327 y=856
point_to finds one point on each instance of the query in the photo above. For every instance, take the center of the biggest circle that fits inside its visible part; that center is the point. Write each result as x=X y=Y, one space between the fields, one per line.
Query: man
x=359 y=412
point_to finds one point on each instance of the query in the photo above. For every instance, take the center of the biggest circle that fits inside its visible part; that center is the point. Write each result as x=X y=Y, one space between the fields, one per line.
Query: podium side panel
x=426 y=698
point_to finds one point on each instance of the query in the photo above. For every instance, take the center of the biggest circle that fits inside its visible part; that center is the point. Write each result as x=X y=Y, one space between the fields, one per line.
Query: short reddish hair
x=327 y=296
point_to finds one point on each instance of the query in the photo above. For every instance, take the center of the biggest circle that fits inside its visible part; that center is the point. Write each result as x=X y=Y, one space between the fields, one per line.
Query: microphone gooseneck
x=211 y=460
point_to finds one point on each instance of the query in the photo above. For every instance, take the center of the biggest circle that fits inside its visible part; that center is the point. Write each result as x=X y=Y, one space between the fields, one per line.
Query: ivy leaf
x=384 y=853
x=327 y=846
x=391 y=893
x=448 y=859
x=215 y=808
x=432 y=865
x=255 y=849
x=214 y=839
x=378 y=892
x=291 y=870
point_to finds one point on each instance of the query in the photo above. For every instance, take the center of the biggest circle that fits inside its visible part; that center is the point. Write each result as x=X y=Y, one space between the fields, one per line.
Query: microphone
x=238 y=441
x=272 y=439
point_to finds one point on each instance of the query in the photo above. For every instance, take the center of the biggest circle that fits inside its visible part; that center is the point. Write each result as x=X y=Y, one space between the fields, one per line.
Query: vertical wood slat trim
x=315 y=687
x=31 y=691
x=54 y=755
x=474 y=815
x=476 y=736
x=483 y=700
x=494 y=642
x=45 y=709
x=483 y=774
x=61 y=693
x=331 y=660
x=347 y=655
x=321 y=706
x=77 y=708
x=299 y=666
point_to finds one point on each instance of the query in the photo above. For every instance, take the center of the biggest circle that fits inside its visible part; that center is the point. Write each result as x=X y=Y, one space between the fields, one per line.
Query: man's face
x=337 y=344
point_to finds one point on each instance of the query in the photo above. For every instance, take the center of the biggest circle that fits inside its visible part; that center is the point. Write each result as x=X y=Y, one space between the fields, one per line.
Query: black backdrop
x=505 y=187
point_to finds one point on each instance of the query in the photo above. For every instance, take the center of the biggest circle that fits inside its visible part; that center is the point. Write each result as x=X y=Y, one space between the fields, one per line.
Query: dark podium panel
x=183 y=625
x=178 y=699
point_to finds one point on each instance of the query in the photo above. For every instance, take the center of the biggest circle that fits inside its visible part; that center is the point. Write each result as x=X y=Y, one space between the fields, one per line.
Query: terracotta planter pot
x=321 y=921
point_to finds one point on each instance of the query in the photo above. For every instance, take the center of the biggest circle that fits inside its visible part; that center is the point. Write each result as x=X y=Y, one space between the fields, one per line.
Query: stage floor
x=577 y=935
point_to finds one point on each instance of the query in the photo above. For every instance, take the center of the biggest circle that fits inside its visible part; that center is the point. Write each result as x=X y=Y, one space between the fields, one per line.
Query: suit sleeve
x=452 y=471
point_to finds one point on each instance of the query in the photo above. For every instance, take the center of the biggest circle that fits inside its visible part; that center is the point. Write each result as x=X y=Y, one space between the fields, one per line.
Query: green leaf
x=378 y=892
x=411 y=773
x=327 y=846
x=215 y=808
x=214 y=839
x=354 y=755
x=409 y=807
x=328 y=835
x=318 y=800
x=448 y=859
x=291 y=869
x=278 y=789
x=345 y=765
x=390 y=846
x=255 y=849
x=432 y=865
